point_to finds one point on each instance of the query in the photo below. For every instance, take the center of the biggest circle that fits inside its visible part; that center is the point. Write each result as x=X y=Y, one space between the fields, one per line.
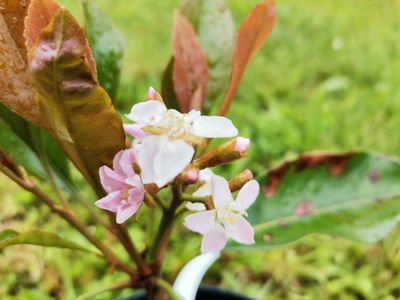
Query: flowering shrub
x=56 y=108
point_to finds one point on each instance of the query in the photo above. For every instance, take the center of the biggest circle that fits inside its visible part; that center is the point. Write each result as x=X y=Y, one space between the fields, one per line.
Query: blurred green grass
x=327 y=78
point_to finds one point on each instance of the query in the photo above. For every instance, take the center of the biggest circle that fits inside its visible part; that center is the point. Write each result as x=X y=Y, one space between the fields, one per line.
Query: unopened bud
x=189 y=175
x=225 y=153
x=153 y=95
x=238 y=181
x=242 y=144
x=152 y=188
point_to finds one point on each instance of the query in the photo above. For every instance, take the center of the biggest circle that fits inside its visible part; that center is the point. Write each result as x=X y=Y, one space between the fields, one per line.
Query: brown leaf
x=190 y=70
x=14 y=12
x=15 y=83
x=254 y=29
x=79 y=111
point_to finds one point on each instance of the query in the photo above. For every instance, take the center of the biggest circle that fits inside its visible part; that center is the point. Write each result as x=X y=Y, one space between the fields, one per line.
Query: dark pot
x=204 y=293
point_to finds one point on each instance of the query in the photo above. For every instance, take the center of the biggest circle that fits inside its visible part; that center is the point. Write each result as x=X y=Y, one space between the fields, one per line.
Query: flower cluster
x=163 y=153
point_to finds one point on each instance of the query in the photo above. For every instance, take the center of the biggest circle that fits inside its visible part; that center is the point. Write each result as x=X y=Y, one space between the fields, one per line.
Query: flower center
x=125 y=194
x=226 y=216
x=176 y=126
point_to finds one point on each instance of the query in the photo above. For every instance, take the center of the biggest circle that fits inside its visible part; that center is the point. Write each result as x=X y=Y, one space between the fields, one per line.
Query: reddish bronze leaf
x=167 y=87
x=190 y=70
x=15 y=84
x=40 y=13
x=39 y=16
x=14 y=12
x=79 y=111
x=254 y=29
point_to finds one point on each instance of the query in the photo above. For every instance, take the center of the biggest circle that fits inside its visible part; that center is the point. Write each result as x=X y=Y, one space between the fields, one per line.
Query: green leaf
x=7 y=234
x=50 y=153
x=37 y=237
x=19 y=151
x=106 y=44
x=80 y=112
x=350 y=195
x=19 y=125
x=41 y=143
x=213 y=23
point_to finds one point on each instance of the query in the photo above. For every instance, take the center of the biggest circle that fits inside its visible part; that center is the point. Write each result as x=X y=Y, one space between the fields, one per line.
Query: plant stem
x=123 y=236
x=96 y=217
x=134 y=254
x=150 y=228
x=191 y=198
x=116 y=287
x=160 y=202
x=46 y=165
x=157 y=250
x=166 y=287
x=70 y=217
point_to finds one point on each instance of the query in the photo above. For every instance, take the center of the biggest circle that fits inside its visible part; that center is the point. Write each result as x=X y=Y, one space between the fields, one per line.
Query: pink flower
x=124 y=187
x=167 y=137
x=227 y=219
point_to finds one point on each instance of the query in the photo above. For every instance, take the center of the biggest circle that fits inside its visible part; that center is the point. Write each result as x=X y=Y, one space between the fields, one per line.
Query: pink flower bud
x=193 y=175
x=242 y=144
x=239 y=180
x=225 y=153
x=153 y=95
x=189 y=175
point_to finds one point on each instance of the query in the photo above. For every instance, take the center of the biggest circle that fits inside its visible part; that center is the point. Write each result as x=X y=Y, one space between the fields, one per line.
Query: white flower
x=205 y=189
x=168 y=136
x=227 y=219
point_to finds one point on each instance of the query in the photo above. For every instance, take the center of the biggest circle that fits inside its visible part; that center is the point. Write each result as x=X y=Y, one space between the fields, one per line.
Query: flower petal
x=213 y=127
x=247 y=195
x=146 y=153
x=136 y=193
x=148 y=112
x=125 y=211
x=111 y=180
x=170 y=160
x=220 y=191
x=134 y=182
x=213 y=241
x=122 y=163
x=135 y=130
x=206 y=174
x=201 y=222
x=110 y=202
x=203 y=191
x=191 y=115
x=242 y=232
x=195 y=206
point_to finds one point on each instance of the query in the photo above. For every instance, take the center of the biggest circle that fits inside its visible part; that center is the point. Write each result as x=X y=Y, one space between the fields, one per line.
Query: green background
x=328 y=77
